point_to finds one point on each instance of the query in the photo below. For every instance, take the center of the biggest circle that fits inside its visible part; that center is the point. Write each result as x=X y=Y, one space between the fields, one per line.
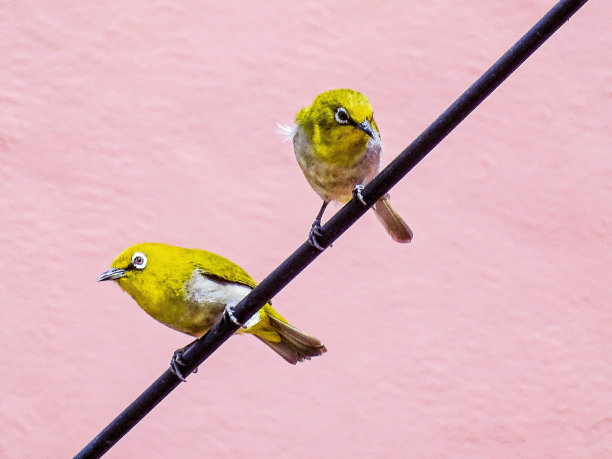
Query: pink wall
x=489 y=336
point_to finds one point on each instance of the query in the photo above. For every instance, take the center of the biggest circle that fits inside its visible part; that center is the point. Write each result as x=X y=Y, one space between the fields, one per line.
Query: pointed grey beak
x=111 y=274
x=366 y=127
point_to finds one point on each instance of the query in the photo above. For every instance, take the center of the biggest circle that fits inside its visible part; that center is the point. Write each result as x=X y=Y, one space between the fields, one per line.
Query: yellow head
x=153 y=274
x=339 y=124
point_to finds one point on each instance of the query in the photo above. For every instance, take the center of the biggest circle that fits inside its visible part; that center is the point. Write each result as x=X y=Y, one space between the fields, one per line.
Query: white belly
x=206 y=295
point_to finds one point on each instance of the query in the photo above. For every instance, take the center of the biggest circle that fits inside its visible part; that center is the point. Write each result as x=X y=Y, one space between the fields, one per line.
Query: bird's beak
x=111 y=274
x=366 y=127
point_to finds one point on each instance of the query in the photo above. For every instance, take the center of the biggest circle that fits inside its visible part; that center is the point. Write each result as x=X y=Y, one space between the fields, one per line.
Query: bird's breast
x=332 y=179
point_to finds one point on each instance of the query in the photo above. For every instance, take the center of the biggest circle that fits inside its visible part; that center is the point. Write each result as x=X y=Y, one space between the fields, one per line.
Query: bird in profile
x=189 y=289
x=337 y=144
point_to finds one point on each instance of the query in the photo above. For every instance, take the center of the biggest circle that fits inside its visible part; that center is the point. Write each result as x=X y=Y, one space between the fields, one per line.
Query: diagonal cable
x=337 y=225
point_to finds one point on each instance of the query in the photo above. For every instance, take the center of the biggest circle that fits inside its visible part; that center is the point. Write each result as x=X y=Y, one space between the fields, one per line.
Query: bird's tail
x=390 y=219
x=287 y=341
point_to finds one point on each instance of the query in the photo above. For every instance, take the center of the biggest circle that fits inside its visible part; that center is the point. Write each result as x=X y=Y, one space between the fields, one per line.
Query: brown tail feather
x=393 y=223
x=294 y=345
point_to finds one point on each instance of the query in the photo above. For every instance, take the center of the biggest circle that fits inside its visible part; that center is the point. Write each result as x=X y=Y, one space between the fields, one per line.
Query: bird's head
x=148 y=271
x=129 y=264
x=341 y=118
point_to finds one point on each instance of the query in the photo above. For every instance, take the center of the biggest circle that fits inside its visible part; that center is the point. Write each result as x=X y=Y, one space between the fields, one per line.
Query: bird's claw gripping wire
x=177 y=362
x=229 y=311
x=315 y=231
x=357 y=192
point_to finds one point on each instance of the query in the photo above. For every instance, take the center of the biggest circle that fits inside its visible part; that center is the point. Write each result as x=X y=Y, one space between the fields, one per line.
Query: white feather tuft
x=286 y=131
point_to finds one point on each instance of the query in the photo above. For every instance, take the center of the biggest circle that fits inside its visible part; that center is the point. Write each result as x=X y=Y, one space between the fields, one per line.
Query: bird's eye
x=139 y=260
x=341 y=115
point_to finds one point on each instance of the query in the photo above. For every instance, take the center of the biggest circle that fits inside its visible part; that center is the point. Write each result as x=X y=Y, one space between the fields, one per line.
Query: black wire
x=337 y=225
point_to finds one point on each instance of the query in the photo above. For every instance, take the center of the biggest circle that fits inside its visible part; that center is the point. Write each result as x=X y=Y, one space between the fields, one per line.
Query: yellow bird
x=188 y=289
x=338 y=147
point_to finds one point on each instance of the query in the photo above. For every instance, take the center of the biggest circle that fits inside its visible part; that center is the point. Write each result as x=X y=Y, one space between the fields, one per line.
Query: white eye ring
x=139 y=260
x=342 y=115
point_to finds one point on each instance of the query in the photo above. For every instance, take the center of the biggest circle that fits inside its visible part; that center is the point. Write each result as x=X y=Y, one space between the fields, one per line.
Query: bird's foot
x=229 y=311
x=315 y=232
x=357 y=192
x=177 y=363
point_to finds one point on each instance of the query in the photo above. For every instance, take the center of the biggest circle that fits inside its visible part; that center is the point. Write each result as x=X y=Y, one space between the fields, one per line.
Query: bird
x=338 y=147
x=189 y=289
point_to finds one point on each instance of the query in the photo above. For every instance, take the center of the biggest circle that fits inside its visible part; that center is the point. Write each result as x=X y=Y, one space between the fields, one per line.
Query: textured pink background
x=489 y=336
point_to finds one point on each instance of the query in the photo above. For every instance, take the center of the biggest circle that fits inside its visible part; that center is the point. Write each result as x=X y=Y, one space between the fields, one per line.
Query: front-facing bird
x=338 y=147
x=188 y=289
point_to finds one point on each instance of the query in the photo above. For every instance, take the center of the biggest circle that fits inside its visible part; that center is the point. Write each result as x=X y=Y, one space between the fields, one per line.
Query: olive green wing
x=217 y=266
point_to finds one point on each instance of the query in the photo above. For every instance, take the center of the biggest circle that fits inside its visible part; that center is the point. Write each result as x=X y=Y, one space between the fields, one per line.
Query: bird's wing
x=221 y=268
